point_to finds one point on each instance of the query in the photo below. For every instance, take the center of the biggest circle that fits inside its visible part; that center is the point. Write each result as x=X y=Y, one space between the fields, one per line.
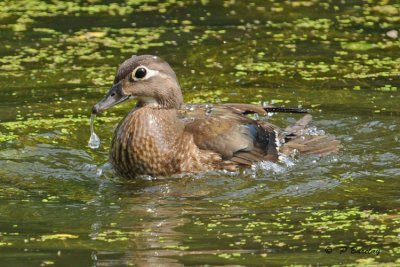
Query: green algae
x=99 y=44
x=58 y=237
x=114 y=236
x=321 y=224
x=82 y=46
x=46 y=130
x=330 y=56
x=20 y=15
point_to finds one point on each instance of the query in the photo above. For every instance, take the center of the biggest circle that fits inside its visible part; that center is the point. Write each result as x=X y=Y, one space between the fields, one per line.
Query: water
x=61 y=204
x=94 y=140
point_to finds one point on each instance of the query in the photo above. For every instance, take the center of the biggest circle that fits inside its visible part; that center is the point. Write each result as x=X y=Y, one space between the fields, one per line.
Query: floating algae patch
x=20 y=15
x=358 y=46
x=47 y=130
x=50 y=123
x=54 y=46
x=300 y=229
x=358 y=67
x=58 y=237
x=86 y=45
x=306 y=52
x=4 y=137
x=112 y=235
x=307 y=70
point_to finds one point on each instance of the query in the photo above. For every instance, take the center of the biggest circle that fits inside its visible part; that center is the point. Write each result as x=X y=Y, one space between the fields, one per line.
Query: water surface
x=60 y=204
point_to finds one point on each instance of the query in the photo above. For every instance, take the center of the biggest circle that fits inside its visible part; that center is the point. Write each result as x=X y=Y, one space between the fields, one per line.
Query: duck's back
x=228 y=132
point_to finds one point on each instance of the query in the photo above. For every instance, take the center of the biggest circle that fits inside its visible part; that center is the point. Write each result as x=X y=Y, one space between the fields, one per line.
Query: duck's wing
x=225 y=130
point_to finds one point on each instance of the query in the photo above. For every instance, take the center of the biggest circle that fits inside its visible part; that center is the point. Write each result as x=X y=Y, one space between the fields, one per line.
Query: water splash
x=269 y=168
x=312 y=131
x=286 y=160
x=94 y=140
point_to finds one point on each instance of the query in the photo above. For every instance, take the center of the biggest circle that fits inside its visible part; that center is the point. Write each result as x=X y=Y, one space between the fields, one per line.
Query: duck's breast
x=145 y=143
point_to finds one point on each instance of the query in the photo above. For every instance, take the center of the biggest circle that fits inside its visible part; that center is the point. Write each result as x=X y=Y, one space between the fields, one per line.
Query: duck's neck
x=152 y=121
x=149 y=102
x=166 y=102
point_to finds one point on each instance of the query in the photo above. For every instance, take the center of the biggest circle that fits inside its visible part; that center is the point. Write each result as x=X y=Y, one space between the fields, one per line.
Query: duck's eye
x=140 y=73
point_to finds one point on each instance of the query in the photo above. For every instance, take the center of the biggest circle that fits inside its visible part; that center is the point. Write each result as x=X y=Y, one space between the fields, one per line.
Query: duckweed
x=58 y=58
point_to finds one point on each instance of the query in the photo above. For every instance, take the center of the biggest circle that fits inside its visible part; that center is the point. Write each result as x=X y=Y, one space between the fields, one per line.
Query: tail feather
x=299 y=125
x=312 y=144
x=298 y=142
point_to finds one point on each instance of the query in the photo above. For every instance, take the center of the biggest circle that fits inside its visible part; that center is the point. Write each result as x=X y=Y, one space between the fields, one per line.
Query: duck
x=162 y=136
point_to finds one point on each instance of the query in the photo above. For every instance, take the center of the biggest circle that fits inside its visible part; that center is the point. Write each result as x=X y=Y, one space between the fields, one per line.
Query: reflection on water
x=60 y=203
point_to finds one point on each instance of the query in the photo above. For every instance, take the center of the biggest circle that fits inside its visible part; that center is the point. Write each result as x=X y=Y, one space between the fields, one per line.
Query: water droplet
x=94 y=140
x=99 y=172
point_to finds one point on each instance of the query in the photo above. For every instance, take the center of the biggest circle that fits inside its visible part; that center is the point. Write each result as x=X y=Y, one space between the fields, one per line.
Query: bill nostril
x=113 y=94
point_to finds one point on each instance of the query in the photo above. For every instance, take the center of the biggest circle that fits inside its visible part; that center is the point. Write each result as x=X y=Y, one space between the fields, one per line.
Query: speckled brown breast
x=151 y=141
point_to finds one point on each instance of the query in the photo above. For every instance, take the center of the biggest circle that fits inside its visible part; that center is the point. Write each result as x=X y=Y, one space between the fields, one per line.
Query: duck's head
x=149 y=79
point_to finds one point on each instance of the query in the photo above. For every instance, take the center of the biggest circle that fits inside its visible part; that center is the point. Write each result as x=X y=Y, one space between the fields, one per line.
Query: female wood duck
x=162 y=136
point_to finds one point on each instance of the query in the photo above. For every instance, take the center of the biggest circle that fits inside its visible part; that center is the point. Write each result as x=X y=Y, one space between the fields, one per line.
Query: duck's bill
x=113 y=97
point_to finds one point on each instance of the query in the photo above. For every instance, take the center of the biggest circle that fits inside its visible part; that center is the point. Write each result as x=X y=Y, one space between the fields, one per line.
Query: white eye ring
x=143 y=73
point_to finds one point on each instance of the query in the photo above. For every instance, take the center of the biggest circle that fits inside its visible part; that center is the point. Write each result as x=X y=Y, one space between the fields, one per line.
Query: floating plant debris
x=339 y=58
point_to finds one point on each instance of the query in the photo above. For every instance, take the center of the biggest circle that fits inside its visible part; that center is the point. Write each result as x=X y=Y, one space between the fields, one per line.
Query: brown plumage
x=161 y=135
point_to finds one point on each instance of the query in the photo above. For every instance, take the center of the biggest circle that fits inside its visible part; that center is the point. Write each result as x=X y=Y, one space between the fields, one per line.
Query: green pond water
x=60 y=204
